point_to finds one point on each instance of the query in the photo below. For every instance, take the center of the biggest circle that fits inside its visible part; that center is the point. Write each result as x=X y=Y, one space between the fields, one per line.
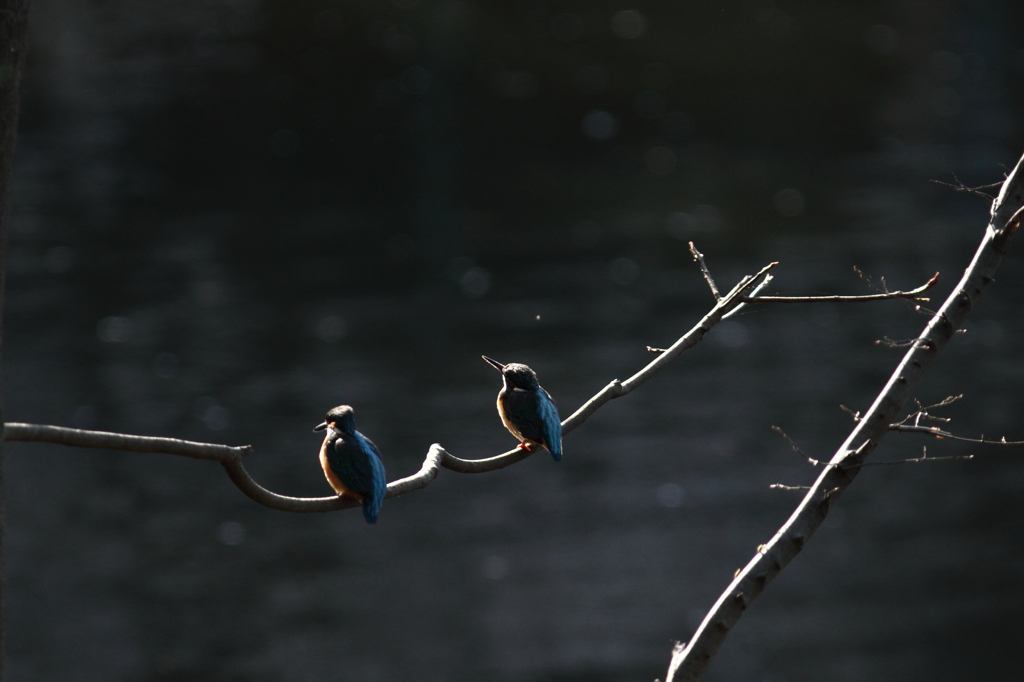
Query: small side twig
x=913 y=295
x=795 y=447
x=913 y=460
x=699 y=257
x=959 y=186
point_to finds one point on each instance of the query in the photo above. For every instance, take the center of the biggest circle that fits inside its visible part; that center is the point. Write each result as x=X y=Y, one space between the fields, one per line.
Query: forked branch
x=690 y=660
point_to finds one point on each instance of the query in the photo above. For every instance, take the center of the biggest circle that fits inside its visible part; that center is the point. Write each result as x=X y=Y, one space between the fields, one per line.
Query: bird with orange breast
x=351 y=462
x=526 y=409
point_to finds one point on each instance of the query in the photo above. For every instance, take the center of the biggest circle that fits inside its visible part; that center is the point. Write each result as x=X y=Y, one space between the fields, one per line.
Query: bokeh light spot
x=732 y=334
x=214 y=415
x=628 y=24
x=115 y=329
x=599 y=125
x=331 y=329
x=669 y=495
x=231 y=533
x=475 y=282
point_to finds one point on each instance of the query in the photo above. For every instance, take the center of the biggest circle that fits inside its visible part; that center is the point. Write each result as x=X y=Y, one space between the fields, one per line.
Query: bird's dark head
x=516 y=375
x=341 y=418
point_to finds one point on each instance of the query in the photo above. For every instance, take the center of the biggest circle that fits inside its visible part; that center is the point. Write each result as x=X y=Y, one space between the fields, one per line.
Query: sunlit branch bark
x=690 y=661
x=940 y=433
x=44 y=433
x=436 y=459
x=913 y=294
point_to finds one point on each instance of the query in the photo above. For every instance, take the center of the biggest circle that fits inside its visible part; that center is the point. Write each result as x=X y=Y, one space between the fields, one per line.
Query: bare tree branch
x=436 y=459
x=939 y=433
x=690 y=661
x=959 y=186
x=913 y=294
x=61 y=435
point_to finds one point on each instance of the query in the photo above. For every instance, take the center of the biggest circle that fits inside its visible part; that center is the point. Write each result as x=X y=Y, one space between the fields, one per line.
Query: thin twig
x=913 y=295
x=691 y=661
x=793 y=445
x=913 y=460
x=699 y=257
x=961 y=187
x=922 y=411
x=939 y=433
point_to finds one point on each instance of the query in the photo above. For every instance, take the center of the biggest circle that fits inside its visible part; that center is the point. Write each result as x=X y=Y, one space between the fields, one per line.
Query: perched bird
x=351 y=462
x=526 y=409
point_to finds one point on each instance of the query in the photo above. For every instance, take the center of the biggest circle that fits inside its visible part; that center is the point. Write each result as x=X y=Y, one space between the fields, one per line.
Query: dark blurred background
x=232 y=215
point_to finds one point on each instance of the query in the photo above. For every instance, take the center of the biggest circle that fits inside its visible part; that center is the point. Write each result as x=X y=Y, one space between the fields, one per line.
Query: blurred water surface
x=232 y=215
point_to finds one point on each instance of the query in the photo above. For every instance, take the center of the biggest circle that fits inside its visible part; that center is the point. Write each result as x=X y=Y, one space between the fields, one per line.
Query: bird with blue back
x=526 y=409
x=351 y=462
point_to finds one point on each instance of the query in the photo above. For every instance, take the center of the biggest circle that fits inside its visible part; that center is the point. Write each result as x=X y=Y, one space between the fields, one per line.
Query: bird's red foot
x=525 y=446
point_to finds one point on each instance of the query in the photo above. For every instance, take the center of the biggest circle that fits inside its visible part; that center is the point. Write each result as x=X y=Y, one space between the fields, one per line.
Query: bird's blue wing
x=356 y=461
x=551 y=424
x=378 y=482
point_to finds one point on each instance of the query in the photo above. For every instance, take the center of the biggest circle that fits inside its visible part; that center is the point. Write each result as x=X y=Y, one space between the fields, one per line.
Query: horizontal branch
x=913 y=294
x=690 y=661
x=939 y=433
x=44 y=433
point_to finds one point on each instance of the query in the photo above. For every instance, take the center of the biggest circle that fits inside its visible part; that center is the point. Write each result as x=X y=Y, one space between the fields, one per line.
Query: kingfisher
x=352 y=462
x=526 y=409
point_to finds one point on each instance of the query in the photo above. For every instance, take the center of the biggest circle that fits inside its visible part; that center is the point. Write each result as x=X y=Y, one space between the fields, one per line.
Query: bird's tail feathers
x=371 y=508
x=556 y=451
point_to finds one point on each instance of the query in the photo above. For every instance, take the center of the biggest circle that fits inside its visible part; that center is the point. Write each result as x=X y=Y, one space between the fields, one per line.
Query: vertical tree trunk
x=13 y=44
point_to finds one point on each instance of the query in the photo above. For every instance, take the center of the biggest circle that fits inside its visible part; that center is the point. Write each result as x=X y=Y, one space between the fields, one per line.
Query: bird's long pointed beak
x=493 y=363
x=320 y=427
